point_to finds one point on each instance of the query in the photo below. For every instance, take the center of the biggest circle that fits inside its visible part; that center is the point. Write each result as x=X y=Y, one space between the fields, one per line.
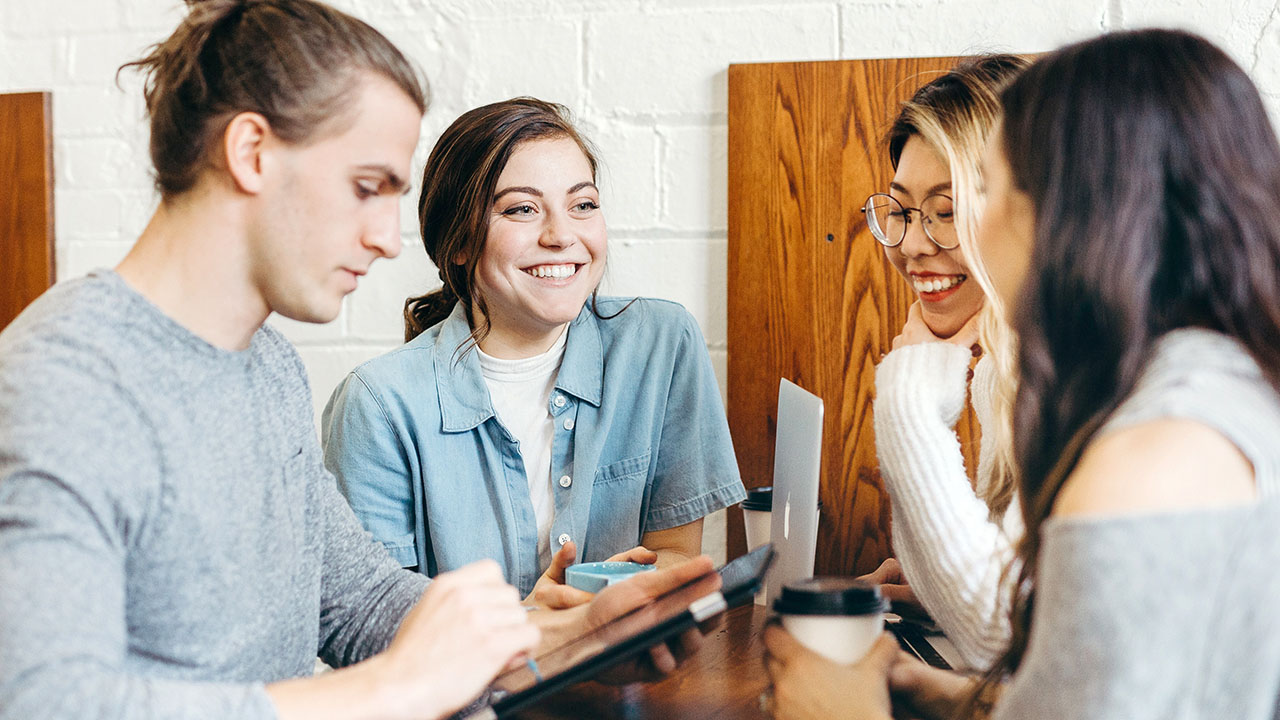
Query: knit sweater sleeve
x=951 y=552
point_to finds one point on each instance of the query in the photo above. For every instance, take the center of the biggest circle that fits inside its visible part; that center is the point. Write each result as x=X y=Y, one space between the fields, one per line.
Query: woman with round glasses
x=952 y=538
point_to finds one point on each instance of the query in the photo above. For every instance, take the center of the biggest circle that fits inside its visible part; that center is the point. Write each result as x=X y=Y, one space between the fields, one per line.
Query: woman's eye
x=365 y=191
x=587 y=206
x=946 y=217
x=519 y=210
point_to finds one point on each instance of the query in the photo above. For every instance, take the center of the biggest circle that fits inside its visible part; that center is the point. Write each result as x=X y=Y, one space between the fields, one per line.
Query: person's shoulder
x=74 y=324
x=645 y=315
x=409 y=367
x=1161 y=465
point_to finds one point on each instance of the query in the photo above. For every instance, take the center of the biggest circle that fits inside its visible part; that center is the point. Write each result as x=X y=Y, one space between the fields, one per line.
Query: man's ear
x=243 y=143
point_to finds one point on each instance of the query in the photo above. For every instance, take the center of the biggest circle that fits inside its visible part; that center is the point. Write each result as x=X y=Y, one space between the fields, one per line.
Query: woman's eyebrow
x=519 y=188
x=935 y=189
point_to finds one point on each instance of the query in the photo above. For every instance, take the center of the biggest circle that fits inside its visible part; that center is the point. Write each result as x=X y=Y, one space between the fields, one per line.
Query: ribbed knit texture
x=952 y=553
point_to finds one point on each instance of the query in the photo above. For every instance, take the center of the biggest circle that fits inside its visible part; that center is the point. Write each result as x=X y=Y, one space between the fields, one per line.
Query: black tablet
x=642 y=628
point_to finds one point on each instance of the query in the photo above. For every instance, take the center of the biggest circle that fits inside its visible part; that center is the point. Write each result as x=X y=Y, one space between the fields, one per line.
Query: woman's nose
x=916 y=243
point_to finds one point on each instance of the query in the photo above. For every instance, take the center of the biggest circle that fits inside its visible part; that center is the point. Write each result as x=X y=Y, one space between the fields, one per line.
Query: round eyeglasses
x=888 y=220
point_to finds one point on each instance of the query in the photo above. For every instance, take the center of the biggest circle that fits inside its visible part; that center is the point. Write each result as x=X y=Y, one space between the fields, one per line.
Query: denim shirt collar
x=464 y=397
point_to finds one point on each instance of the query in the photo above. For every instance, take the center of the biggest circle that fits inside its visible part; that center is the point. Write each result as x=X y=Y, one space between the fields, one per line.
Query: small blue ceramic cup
x=596 y=576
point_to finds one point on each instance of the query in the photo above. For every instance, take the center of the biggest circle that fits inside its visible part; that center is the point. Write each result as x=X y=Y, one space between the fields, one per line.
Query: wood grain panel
x=26 y=201
x=811 y=297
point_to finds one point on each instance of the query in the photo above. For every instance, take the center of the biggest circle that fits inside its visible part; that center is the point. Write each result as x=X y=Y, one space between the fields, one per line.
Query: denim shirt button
x=568 y=423
x=559 y=401
x=564 y=538
x=565 y=481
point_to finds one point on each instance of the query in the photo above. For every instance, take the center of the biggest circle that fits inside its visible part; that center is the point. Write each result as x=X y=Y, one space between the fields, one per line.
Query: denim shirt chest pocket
x=619 y=498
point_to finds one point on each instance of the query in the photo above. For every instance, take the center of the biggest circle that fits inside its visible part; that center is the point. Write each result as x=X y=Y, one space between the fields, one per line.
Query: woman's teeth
x=552 y=271
x=937 y=283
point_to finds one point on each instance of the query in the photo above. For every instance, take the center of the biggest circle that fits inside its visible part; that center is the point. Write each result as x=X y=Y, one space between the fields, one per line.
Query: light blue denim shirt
x=641 y=444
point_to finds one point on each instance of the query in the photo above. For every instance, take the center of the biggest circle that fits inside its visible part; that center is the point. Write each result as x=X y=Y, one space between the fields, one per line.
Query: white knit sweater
x=952 y=553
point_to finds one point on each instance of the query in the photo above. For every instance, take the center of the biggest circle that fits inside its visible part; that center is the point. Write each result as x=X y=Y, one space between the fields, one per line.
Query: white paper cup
x=757 y=524
x=838 y=618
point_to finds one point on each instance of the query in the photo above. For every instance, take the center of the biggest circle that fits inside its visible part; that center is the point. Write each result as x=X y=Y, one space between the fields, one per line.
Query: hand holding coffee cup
x=836 y=617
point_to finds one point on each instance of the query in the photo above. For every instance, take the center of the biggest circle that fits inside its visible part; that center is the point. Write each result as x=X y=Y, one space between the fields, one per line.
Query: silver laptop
x=797 y=459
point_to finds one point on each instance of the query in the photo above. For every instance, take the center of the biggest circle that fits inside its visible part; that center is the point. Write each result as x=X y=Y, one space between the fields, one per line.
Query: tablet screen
x=644 y=626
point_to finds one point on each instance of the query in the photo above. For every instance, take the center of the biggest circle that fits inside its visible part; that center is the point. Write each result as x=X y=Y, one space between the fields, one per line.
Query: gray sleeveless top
x=1167 y=615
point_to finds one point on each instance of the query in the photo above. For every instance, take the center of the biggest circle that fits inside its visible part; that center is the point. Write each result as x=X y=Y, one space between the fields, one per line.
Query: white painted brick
x=720 y=365
x=479 y=9
x=98 y=163
x=327 y=366
x=628 y=184
x=75 y=259
x=94 y=59
x=95 y=111
x=695 y=177
x=158 y=17
x=1235 y=25
x=376 y=308
x=26 y=64
x=93 y=213
x=677 y=62
x=526 y=56
x=49 y=17
x=690 y=272
x=959 y=27
x=137 y=207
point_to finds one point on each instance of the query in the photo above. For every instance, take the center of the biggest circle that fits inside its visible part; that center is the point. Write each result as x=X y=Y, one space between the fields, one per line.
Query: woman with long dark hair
x=1132 y=196
x=527 y=419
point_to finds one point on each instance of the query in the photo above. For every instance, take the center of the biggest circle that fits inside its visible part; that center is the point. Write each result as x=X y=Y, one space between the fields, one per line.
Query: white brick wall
x=647 y=79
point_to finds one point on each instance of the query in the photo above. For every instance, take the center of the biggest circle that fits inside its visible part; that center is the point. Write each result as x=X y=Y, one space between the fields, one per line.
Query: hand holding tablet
x=652 y=610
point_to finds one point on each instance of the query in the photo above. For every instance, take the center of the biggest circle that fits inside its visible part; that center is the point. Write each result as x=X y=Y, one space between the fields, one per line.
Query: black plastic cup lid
x=760 y=498
x=829 y=596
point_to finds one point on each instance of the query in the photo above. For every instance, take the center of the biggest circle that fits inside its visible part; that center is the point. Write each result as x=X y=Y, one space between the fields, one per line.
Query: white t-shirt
x=521 y=394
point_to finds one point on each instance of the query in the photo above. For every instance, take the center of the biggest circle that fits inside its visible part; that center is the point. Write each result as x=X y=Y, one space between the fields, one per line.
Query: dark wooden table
x=723 y=679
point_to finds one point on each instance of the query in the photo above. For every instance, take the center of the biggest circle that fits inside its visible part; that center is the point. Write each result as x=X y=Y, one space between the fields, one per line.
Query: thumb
x=561 y=560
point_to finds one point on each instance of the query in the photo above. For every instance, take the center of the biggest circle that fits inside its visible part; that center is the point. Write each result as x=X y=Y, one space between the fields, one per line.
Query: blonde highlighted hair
x=956 y=114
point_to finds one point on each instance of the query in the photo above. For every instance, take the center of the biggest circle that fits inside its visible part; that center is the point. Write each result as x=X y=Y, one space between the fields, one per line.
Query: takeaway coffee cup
x=837 y=617
x=755 y=515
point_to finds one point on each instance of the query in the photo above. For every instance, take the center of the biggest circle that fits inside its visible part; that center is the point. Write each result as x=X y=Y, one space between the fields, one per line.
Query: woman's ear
x=460 y=259
x=243 y=143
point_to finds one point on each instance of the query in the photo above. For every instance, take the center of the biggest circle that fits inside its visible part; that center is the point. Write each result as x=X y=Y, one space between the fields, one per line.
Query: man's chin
x=316 y=314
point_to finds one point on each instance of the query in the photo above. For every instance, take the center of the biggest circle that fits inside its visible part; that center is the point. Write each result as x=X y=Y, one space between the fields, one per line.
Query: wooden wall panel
x=811 y=297
x=26 y=201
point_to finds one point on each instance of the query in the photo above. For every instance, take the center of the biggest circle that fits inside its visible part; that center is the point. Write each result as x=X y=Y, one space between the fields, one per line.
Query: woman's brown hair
x=295 y=62
x=1155 y=176
x=458 y=184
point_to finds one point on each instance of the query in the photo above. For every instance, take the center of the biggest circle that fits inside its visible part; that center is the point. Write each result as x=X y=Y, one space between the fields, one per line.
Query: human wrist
x=376 y=682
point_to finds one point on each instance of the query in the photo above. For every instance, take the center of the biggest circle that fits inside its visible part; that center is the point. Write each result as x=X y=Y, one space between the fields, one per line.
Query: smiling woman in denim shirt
x=526 y=419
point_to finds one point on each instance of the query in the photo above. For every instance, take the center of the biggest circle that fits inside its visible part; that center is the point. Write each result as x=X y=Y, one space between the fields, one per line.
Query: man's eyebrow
x=518 y=188
x=397 y=183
